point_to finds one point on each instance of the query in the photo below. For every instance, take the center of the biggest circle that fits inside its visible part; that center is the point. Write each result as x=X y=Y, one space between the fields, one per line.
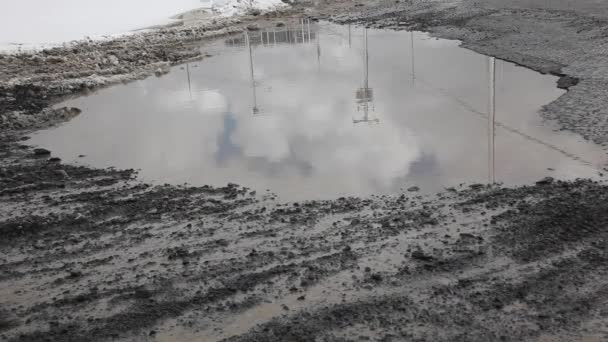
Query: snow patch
x=226 y=8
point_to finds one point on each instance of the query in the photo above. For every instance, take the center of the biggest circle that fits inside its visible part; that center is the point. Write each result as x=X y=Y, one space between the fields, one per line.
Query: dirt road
x=96 y=255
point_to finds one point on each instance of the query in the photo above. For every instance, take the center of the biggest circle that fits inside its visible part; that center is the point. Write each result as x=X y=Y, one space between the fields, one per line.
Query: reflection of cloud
x=264 y=136
x=319 y=134
x=211 y=101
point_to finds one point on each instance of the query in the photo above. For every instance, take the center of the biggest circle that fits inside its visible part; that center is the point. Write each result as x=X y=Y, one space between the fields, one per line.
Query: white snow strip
x=27 y=25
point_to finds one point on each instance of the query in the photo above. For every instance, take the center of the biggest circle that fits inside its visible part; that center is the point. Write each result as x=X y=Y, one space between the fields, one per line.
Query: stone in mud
x=545 y=181
x=253 y=27
x=63 y=174
x=75 y=274
x=413 y=189
x=377 y=277
x=160 y=71
x=177 y=252
x=565 y=82
x=113 y=60
x=56 y=59
x=254 y=12
x=420 y=255
x=41 y=152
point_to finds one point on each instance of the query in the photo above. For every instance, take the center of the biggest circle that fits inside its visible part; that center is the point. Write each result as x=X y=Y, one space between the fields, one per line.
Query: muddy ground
x=96 y=255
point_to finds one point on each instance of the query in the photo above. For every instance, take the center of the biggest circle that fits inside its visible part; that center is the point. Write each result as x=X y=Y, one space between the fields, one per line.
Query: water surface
x=322 y=111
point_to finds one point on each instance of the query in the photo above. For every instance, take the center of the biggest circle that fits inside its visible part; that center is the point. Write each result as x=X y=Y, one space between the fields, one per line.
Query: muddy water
x=322 y=111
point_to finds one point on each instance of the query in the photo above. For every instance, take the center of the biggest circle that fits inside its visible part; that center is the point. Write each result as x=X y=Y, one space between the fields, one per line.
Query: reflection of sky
x=304 y=143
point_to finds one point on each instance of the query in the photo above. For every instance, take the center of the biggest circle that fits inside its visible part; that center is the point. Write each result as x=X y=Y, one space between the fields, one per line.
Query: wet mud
x=97 y=255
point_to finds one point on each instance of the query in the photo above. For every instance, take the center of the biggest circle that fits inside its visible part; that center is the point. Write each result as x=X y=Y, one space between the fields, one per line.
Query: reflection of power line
x=503 y=126
x=506 y=127
x=365 y=95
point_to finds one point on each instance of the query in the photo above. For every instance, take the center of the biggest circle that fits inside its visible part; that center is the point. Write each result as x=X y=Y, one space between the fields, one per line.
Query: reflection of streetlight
x=365 y=95
x=255 y=108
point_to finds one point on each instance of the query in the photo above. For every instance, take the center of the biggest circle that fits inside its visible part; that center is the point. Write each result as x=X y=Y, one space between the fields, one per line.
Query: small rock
x=419 y=255
x=413 y=189
x=376 y=277
x=41 y=152
x=63 y=174
x=566 y=82
x=253 y=27
x=545 y=181
x=160 y=71
x=113 y=60
x=75 y=274
x=56 y=59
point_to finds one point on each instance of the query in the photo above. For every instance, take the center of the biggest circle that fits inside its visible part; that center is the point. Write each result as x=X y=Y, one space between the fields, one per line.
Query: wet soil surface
x=94 y=254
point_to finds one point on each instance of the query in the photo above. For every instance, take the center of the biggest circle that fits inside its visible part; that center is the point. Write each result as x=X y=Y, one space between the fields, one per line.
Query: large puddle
x=322 y=111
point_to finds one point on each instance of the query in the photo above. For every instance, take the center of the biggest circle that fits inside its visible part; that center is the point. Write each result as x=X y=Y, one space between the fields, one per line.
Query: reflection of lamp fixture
x=365 y=95
x=492 y=120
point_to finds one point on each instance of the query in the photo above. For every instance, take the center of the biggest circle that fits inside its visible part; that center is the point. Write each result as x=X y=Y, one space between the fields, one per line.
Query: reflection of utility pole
x=308 y=24
x=318 y=51
x=365 y=95
x=189 y=83
x=255 y=100
x=413 y=59
x=349 y=35
x=492 y=121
